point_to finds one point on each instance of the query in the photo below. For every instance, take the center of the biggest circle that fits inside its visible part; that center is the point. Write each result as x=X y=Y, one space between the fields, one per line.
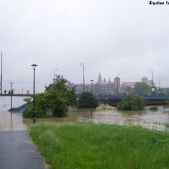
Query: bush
x=40 y=109
x=131 y=103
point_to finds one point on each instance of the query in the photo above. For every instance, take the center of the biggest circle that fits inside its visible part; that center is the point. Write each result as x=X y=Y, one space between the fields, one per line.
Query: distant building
x=116 y=85
x=148 y=82
x=101 y=87
x=110 y=88
x=129 y=84
x=132 y=84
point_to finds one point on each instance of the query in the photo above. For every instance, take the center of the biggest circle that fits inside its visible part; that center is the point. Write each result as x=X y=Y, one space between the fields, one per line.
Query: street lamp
x=34 y=67
x=91 y=98
x=83 y=77
x=152 y=83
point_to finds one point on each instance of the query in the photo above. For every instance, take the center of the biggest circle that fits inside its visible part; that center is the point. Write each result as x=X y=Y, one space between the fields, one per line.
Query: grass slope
x=98 y=146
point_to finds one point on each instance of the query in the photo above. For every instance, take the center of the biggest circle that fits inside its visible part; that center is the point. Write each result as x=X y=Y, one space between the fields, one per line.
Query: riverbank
x=98 y=146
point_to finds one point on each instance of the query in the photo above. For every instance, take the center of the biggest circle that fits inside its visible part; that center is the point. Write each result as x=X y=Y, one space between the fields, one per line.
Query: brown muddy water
x=150 y=119
x=158 y=120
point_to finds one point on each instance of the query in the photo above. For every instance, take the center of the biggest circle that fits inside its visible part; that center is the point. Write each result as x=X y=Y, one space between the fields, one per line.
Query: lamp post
x=91 y=98
x=83 y=77
x=34 y=67
x=152 y=78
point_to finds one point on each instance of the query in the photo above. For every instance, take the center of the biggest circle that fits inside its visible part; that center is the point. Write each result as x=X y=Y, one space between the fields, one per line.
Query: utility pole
x=1 y=73
x=11 y=102
x=159 y=87
x=83 y=77
x=11 y=95
x=91 y=104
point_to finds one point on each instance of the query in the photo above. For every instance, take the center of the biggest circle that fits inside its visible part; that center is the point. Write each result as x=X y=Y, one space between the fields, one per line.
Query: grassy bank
x=92 y=146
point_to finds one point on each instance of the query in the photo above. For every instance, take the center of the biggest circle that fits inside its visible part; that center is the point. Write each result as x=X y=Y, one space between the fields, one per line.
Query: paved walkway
x=18 y=152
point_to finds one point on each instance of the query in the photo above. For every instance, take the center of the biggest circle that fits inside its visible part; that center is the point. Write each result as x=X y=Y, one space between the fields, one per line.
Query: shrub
x=40 y=109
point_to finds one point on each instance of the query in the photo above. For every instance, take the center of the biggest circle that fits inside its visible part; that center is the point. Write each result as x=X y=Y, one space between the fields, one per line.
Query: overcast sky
x=113 y=37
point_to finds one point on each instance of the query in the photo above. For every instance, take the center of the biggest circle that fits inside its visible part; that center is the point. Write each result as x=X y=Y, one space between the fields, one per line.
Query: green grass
x=98 y=146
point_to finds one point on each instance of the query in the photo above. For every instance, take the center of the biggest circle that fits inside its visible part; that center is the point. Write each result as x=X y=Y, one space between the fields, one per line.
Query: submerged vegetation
x=104 y=107
x=153 y=108
x=98 y=146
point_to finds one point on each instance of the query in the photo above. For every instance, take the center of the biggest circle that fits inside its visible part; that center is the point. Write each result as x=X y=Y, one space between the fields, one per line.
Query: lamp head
x=34 y=66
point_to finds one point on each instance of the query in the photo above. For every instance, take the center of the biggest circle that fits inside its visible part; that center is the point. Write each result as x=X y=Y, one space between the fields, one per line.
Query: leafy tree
x=128 y=90
x=56 y=97
x=131 y=103
x=87 y=100
x=142 y=89
x=59 y=95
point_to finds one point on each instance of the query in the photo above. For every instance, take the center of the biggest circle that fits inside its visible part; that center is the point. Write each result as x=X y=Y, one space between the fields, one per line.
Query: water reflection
x=8 y=120
x=11 y=121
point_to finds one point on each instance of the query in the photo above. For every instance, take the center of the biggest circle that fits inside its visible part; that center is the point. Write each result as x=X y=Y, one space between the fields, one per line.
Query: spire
x=99 y=78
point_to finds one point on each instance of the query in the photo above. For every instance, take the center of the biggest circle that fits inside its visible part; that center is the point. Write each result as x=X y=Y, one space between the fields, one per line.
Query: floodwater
x=8 y=120
x=158 y=120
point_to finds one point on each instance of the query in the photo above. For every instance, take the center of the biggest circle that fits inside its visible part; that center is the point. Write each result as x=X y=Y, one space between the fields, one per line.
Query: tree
x=142 y=89
x=87 y=100
x=131 y=103
x=57 y=97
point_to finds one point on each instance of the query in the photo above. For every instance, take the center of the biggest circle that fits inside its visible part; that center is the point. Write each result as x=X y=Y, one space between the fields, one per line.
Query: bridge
x=19 y=95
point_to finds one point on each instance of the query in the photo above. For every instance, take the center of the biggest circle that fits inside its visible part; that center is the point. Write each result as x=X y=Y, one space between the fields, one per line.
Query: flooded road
x=150 y=119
